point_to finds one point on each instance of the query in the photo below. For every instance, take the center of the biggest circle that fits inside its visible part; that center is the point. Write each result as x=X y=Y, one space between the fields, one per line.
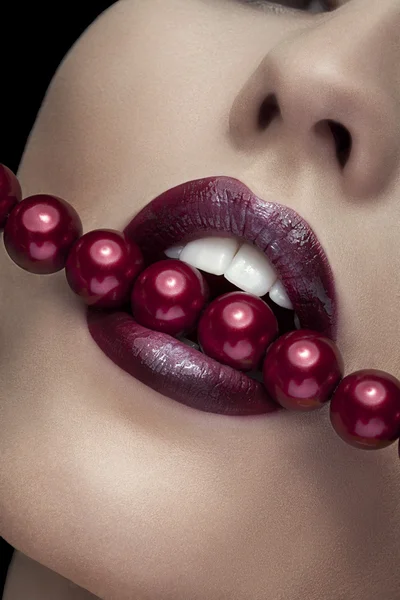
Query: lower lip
x=175 y=370
x=184 y=374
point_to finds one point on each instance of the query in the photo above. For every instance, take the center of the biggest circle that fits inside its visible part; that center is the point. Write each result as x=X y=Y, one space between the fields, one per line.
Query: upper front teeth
x=251 y=271
x=243 y=265
x=212 y=255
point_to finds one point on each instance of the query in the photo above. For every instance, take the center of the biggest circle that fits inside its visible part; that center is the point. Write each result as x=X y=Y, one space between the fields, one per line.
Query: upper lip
x=223 y=204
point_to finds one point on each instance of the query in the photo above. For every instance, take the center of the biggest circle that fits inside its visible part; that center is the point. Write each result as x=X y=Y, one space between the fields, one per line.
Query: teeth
x=174 y=251
x=278 y=295
x=297 y=322
x=188 y=343
x=251 y=271
x=243 y=265
x=212 y=255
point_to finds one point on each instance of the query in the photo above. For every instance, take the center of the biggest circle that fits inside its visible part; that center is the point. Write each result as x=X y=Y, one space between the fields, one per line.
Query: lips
x=206 y=207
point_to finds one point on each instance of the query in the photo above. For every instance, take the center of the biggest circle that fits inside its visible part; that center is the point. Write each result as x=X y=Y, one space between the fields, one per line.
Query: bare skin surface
x=107 y=483
x=27 y=579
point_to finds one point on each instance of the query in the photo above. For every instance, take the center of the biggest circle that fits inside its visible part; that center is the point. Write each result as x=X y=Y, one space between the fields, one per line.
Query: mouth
x=219 y=207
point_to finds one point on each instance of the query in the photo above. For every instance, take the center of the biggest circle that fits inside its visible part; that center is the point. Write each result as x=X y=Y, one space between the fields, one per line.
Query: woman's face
x=129 y=493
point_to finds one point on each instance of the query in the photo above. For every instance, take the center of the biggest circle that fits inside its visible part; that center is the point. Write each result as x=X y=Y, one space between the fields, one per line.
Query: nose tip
x=321 y=96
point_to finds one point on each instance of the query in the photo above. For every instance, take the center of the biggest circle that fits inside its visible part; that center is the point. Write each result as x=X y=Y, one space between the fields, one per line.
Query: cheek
x=363 y=239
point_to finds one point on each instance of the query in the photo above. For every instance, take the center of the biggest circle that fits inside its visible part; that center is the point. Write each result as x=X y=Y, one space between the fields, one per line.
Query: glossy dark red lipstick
x=215 y=206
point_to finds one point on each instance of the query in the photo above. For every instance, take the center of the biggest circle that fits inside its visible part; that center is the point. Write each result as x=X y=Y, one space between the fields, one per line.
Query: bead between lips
x=241 y=263
x=369 y=398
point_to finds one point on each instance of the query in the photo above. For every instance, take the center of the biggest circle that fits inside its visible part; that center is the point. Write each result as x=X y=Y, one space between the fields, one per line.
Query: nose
x=334 y=84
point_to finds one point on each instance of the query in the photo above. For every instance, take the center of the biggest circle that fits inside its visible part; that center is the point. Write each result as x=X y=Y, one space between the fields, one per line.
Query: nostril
x=269 y=109
x=343 y=141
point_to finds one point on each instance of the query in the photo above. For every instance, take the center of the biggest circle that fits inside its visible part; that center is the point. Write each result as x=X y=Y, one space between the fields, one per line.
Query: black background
x=34 y=37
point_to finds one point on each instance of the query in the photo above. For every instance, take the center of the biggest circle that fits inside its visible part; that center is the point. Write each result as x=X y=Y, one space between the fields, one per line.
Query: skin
x=113 y=486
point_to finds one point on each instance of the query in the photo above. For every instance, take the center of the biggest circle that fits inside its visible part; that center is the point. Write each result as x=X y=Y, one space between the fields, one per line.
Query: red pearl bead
x=236 y=329
x=40 y=232
x=365 y=409
x=169 y=296
x=102 y=266
x=302 y=369
x=10 y=193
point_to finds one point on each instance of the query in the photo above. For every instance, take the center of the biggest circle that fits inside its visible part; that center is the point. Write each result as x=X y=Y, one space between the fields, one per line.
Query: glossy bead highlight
x=365 y=409
x=169 y=297
x=302 y=369
x=102 y=266
x=236 y=329
x=10 y=193
x=40 y=232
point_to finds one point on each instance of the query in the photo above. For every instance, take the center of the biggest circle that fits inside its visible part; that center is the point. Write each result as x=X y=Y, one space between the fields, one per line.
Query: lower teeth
x=188 y=343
